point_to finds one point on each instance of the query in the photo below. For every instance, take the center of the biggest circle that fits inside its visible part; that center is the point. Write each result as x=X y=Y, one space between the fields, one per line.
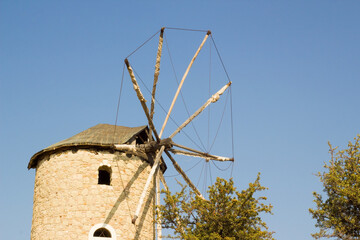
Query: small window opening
x=102 y=232
x=104 y=175
x=142 y=137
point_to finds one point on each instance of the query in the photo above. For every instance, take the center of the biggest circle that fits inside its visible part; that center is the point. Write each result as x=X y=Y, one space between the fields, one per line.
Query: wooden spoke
x=157 y=72
x=142 y=99
x=150 y=177
x=156 y=77
x=131 y=149
x=201 y=155
x=182 y=173
x=214 y=98
x=182 y=82
x=162 y=179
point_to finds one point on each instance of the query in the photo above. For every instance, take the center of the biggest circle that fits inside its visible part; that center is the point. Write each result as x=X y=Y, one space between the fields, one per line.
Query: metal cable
x=222 y=63
x=118 y=105
x=222 y=117
x=187 y=29
x=185 y=170
x=164 y=108
x=232 y=125
x=211 y=180
x=222 y=169
x=205 y=177
x=202 y=169
x=182 y=97
x=143 y=44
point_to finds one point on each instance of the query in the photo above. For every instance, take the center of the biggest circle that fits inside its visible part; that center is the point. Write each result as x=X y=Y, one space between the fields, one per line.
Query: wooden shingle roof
x=101 y=135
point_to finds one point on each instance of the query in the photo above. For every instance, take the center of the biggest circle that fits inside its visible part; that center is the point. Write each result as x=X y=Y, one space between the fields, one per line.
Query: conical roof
x=101 y=135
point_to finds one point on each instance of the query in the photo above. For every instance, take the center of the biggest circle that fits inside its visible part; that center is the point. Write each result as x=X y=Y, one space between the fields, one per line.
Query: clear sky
x=294 y=67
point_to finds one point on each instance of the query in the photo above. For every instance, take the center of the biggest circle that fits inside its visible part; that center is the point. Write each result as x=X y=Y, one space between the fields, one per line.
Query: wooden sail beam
x=162 y=179
x=182 y=173
x=182 y=82
x=133 y=149
x=149 y=147
x=203 y=155
x=214 y=98
x=142 y=99
x=147 y=184
x=140 y=151
x=186 y=148
x=157 y=72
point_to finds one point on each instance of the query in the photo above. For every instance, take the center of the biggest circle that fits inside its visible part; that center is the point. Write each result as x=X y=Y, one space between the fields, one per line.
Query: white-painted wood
x=203 y=155
x=214 y=98
x=144 y=192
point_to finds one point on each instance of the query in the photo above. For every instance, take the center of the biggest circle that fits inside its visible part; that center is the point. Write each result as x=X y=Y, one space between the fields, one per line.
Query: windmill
x=158 y=146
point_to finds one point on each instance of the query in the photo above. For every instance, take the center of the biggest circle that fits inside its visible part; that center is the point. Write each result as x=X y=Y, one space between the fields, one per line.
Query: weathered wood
x=214 y=98
x=149 y=147
x=182 y=173
x=141 y=98
x=182 y=82
x=147 y=184
x=157 y=72
x=127 y=148
x=133 y=149
x=186 y=148
x=201 y=155
x=162 y=179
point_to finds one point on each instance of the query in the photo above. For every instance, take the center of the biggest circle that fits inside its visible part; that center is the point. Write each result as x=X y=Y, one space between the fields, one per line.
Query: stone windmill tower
x=85 y=189
x=88 y=186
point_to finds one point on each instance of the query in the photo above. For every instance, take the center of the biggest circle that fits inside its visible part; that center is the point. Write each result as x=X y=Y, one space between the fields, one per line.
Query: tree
x=228 y=214
x=338 y=216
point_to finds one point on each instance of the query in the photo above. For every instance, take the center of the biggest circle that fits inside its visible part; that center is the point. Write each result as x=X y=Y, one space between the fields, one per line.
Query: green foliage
x=227 y=215
x=339 y=215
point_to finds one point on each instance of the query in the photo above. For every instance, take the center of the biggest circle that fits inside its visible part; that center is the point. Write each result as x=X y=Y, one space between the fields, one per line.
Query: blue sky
x=294 y=67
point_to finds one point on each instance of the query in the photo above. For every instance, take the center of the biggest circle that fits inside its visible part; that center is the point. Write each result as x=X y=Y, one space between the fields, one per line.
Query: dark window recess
x=142 y=137
x=102 y=232
x=104 y=176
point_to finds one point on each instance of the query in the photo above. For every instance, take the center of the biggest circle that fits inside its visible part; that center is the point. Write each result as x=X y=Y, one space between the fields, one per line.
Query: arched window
x=102 y=231
x=104 y=176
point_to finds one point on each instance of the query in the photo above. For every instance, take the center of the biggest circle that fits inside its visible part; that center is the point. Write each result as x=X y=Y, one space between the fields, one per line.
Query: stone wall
x=68 y=201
